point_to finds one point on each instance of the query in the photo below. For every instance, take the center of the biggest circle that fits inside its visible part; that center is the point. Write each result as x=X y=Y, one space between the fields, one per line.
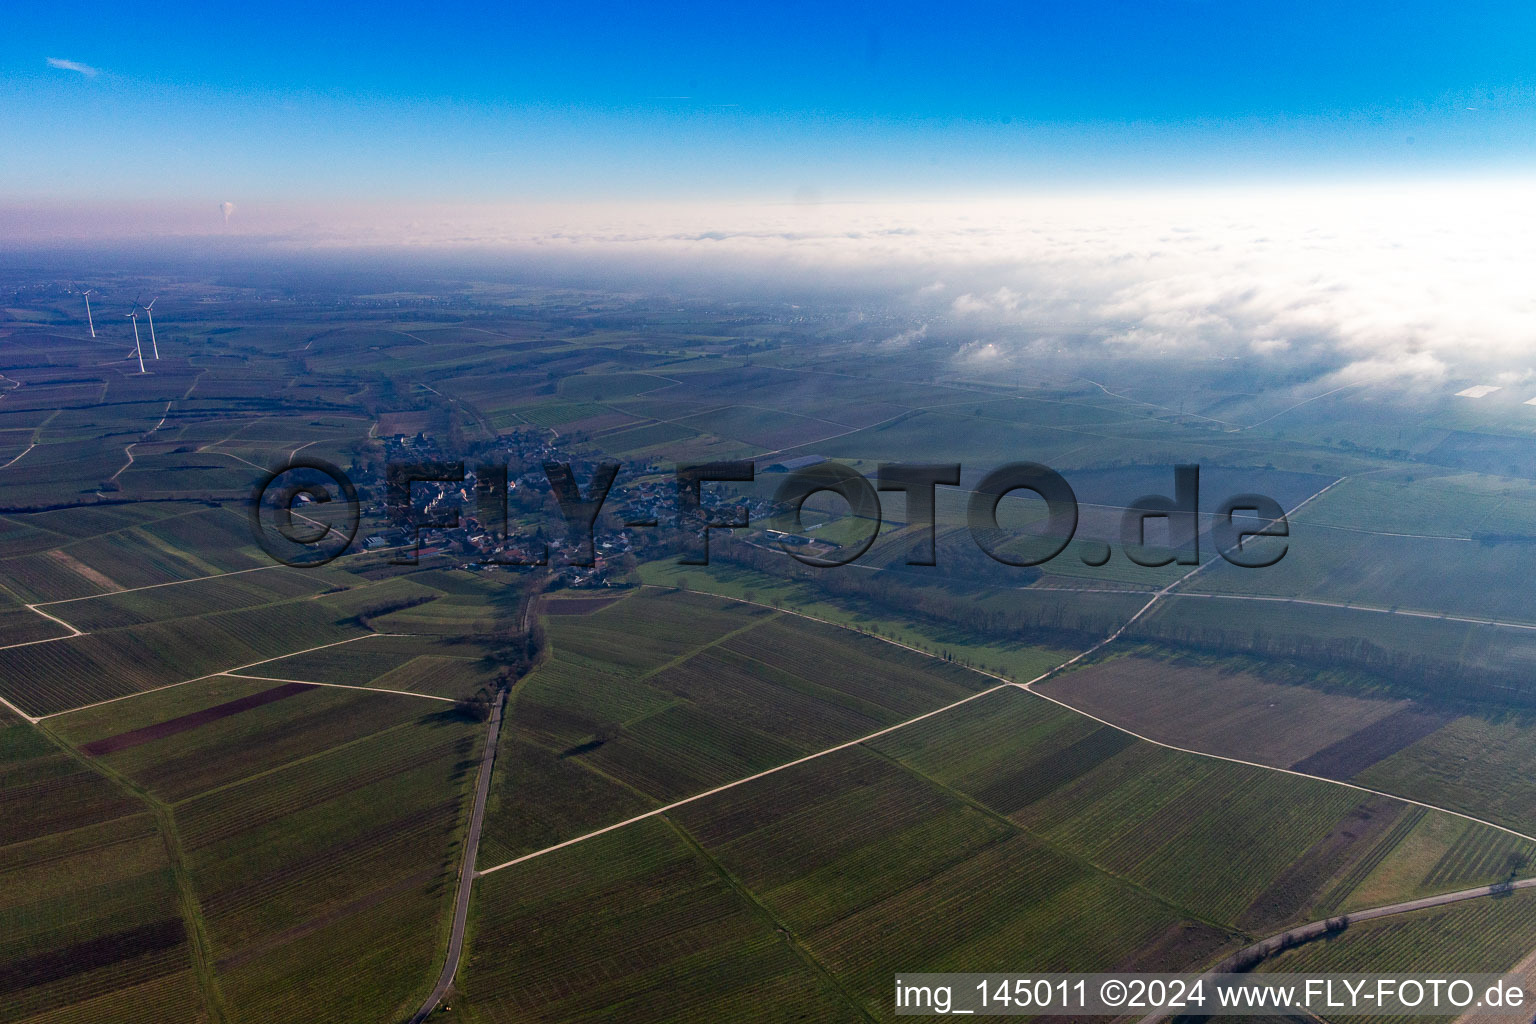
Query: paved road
x=467 y=869
x=1302 y=933
x=1316 y=928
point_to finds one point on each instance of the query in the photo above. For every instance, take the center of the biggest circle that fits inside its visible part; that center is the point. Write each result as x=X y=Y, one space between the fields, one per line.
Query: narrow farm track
x=1003 y=683
x=741 y=782
x=17 y=459
x=148 y=586
x=339 y=686
x=211 y=675
x=1029 y=688
x=1373 y=609
x=190 y=905
x=128 y=449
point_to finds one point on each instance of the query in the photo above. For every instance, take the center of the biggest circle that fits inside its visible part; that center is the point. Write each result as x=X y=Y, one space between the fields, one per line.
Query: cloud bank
x=1419 y=282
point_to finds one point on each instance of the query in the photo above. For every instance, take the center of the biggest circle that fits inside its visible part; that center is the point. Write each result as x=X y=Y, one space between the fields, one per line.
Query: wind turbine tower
x=153 y=345
x=88 y=319
x=134 y=316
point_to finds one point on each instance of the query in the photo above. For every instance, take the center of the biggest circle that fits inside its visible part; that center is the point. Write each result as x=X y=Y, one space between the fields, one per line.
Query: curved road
x=467 y=869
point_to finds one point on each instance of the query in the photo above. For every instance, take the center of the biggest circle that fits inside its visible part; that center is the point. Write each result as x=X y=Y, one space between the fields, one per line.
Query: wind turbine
x=87 y=295
x=154 y=345
x=134 y=316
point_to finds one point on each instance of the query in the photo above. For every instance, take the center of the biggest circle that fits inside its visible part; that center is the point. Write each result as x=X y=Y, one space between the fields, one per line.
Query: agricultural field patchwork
x=1190 y=704
x=661 y=695
x=246 y=794
x=92 y=921
x=848 y=856
x=311 y=824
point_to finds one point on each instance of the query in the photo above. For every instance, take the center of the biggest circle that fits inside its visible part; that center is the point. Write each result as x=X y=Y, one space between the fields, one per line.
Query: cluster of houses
x=640 y=511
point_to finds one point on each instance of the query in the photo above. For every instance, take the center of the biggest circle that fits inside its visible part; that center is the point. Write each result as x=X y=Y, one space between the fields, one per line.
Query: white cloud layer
x=1417 y=282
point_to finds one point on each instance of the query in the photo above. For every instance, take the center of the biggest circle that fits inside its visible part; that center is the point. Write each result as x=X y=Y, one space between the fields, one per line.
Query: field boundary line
x=1373 y=609
x=200 y=945
x=30 y=719
x=1305 y=401
x=211 y=675
x=743 y=781
x=1029 y=688
x=828 y=622
x=148 y=586
x=245 y=780
x=73 y=632
x=754 y=905
x=338 y=686
x=44 y=640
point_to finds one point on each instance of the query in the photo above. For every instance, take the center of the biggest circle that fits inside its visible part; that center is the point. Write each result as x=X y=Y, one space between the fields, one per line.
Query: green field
x=318 y=829
x=1474 y=765
x=1002 y=825
x=196 y=833
x=664 y=694
x=93 y=925
x=1001 y=656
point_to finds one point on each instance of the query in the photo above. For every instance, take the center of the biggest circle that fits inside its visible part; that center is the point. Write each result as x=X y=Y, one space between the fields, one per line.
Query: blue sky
x=447 y=102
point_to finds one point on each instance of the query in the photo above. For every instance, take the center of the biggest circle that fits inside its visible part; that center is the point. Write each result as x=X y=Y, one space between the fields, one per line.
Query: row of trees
x=1042 y=618
x=1075 y=620
x=516 y=648
x=1411 y=671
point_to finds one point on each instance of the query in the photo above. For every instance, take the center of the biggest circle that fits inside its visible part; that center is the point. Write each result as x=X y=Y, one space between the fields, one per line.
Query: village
x=638 y=519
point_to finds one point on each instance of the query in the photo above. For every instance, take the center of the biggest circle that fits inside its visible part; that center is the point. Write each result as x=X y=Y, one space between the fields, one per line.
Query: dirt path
x=149 y=586
x=1411 y=613
x=210 y=675
x=17 y=459
x=340 y=686
x=128 y=449
x=740 y=782
x=1029 y=688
